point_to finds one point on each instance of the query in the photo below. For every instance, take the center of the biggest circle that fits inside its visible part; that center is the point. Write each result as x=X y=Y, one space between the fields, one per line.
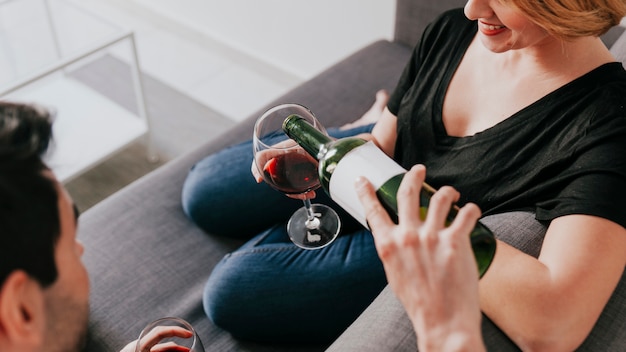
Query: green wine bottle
x=341 y=161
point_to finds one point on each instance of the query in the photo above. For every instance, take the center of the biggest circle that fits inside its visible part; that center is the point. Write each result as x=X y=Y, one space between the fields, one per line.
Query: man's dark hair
x=29 y=214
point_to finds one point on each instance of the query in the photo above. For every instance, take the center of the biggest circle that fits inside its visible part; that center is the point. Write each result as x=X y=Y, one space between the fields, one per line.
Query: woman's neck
x=557 y=58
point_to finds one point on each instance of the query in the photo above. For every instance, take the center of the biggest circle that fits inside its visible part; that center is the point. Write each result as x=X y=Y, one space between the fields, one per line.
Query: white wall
x=300 y=37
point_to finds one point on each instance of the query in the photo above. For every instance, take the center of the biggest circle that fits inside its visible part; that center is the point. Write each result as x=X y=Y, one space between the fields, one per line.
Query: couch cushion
x=146 y=260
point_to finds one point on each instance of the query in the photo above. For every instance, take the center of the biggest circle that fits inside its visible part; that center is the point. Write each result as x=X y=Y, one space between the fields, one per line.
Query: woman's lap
x=269 y=289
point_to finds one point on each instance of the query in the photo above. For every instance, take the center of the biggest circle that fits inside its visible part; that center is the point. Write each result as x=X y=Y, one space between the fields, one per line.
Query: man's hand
x=150 y=342
x=430 y=267
x=264 y=158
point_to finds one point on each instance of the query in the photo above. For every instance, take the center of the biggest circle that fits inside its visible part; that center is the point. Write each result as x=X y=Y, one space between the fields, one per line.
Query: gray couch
x=147 y=260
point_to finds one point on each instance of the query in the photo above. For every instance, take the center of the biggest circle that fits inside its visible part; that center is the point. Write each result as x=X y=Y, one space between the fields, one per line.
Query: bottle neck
x=306 y=135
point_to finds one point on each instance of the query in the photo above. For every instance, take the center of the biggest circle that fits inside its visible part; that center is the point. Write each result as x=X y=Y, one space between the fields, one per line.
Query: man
x=44 y=286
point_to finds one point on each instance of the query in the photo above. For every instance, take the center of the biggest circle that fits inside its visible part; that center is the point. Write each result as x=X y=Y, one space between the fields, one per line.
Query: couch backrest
x=412 y=17
x=619 y=48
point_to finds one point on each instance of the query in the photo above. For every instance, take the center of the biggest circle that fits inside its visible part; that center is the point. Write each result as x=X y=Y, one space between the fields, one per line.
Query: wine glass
x=157 y=336
x=288 y=168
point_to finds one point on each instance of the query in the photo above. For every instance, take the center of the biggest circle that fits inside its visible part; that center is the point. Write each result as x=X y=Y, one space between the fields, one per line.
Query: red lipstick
x=490 y=29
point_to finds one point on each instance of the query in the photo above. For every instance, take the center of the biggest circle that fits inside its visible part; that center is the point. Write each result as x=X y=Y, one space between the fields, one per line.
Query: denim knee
x=218 y=188
x=278 y=292
x=218 y=298
x=201 y=192
x=230 y=301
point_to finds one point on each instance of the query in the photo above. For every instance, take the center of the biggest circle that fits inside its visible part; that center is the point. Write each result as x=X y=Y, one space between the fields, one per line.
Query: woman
x=519 y=106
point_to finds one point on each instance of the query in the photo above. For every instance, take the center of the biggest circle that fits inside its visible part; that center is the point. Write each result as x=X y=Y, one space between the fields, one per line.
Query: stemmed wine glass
x=159 y=336
x=288 y=168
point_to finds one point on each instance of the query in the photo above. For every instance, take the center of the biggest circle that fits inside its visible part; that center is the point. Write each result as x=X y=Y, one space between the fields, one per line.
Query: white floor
x=192 y=64
x=34 y=40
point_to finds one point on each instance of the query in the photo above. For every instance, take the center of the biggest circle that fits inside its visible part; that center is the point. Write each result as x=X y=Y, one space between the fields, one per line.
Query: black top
x=563 y=154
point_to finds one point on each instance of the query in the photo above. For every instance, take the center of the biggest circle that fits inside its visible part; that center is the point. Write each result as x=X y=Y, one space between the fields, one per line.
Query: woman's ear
x=22 y=312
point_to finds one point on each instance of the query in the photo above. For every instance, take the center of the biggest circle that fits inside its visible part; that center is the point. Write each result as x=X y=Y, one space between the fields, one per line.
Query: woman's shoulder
x=610 y=72
x=610 y=80
x=605 y=83
x=604 y=105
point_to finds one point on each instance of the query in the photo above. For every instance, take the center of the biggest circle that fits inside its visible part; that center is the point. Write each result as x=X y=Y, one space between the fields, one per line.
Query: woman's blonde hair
x=567 y=19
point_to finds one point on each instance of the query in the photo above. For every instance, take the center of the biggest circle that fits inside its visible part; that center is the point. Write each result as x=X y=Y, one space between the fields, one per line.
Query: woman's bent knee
x=217 y=188
x=200 y=200
x=278 y=292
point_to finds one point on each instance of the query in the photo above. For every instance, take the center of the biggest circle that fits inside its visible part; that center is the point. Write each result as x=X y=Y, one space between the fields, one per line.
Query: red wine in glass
x=286 y=167
x=292 y=173
x=177 y=349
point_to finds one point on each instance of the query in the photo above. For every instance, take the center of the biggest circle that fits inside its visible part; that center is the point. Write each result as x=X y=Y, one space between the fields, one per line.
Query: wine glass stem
x=312 y=222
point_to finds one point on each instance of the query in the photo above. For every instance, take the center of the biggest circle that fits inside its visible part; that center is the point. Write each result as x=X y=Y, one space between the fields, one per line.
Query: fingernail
x=360 y=183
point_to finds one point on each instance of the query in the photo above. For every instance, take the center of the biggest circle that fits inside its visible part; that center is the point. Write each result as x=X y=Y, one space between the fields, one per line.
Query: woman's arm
x=552 y=303
x=549 y=303
x=384 y=133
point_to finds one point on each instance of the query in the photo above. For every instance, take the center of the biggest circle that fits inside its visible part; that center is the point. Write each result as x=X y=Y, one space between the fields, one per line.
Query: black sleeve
x=437 y=34
x=596 y=180
x=405 y=82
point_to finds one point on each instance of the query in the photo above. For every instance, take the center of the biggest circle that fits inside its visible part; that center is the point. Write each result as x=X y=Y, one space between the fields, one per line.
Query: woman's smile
x=490 y=29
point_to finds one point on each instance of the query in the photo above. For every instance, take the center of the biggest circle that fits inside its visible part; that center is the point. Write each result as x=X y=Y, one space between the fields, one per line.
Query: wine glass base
x=312 y=237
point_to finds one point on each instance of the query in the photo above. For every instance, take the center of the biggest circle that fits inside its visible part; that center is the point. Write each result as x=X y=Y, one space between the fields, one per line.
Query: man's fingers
x=409 y=196
x=439 y=207
x=161 y=332
x=376 y=215
x=465 y=219
x=169 y=347
x=255 y=172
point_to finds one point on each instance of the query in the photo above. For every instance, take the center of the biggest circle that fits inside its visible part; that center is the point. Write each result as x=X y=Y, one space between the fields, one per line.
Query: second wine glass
x=288 y=168
x=159 y=336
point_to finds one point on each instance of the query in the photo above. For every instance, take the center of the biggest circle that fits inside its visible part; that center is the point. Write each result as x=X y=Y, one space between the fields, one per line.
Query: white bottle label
x=367 y=161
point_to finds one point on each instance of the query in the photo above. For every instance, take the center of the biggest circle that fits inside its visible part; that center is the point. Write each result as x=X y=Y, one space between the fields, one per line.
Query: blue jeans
x=270 y=289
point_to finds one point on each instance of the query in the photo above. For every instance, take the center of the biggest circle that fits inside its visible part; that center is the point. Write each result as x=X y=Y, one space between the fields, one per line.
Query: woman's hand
x=430 y=267
x=150 y=342
x=265 y=156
